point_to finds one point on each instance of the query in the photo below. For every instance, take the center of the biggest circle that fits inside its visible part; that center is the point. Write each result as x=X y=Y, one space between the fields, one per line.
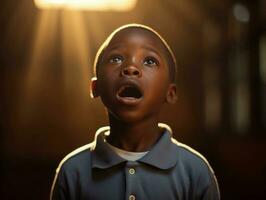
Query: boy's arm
x=212 y=192
x=57 y=191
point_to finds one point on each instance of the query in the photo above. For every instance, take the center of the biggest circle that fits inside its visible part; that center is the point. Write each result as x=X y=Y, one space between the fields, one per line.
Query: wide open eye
x=151 y=61
x=116 y=59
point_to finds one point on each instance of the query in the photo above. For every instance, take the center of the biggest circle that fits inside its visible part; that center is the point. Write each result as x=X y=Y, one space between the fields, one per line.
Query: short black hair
x=171 y=61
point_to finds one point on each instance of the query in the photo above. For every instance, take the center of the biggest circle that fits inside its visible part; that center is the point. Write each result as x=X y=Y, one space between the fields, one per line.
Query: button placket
x=131 y=180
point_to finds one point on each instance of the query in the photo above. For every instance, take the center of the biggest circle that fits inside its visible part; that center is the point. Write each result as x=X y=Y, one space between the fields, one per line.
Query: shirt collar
x=102 y=155
x=163 y=154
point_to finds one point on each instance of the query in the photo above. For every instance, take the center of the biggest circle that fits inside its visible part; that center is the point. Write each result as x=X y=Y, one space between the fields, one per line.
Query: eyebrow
x=151 y=49
x=117 y=46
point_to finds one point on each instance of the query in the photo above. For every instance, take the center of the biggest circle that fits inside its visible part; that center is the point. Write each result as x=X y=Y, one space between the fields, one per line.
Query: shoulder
x=77 y=158
x=187 y=156
x=198 y=170
x=80 y=158
x=71 y=166
x=191 y=159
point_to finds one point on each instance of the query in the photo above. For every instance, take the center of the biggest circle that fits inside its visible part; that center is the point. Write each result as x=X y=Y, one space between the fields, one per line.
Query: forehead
x=134 y=36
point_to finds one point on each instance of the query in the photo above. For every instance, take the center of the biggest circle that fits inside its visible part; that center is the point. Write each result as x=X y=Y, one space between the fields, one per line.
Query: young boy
x=135 y=158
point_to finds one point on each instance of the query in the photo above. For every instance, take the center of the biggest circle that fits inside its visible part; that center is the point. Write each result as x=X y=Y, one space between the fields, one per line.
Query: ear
x=93 y=88
x=171 y=96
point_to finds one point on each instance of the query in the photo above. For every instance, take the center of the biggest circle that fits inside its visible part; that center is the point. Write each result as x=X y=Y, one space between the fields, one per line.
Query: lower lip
x=131 y=101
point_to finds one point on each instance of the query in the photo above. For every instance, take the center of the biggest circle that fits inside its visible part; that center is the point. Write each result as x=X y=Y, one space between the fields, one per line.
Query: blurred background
x=46 y=55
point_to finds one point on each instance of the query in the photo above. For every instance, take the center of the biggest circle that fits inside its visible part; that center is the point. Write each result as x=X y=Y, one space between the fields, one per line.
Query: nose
x=131 y=71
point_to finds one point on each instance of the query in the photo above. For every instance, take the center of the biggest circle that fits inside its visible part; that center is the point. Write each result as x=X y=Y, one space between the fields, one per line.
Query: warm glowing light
x=241 y=13
x=102 y=5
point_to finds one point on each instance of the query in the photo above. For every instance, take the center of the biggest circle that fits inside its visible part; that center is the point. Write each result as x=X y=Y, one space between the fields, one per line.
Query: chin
x=128 y=116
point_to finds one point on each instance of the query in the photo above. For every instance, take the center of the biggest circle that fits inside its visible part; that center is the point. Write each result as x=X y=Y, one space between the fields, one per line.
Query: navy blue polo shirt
x=170 y=170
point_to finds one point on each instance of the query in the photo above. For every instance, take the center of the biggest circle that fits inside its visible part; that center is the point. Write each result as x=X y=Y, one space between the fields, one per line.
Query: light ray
x=75 y=56
x=37 y=68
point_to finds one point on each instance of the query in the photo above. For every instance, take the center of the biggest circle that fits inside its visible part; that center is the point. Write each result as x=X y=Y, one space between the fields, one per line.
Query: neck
x=135 y=137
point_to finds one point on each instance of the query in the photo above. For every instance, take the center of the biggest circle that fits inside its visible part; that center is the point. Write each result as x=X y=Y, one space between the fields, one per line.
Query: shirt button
x=132 y=197
x=132 y=171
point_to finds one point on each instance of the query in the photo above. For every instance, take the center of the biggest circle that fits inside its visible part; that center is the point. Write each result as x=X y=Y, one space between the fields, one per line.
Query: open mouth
x=130 y=92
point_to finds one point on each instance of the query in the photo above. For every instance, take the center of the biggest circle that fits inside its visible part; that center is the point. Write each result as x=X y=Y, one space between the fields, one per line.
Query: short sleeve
x=212 y=192
x=58 y=191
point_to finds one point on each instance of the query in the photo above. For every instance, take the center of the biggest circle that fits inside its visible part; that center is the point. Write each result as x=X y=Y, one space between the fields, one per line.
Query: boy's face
x=133 y=76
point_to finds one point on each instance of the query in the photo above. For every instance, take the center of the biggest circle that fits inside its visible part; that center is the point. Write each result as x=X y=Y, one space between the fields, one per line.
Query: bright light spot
x=241 y=13
x=101 y=5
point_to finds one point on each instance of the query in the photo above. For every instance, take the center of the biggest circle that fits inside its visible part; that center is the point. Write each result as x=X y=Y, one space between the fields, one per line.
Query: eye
x=151 y=61
x=116 y=59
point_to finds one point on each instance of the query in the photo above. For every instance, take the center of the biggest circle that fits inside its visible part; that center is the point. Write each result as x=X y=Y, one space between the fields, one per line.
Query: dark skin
x=135 y=58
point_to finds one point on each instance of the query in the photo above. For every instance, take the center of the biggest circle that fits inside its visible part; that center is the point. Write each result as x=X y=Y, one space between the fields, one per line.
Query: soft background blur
x=46 y=61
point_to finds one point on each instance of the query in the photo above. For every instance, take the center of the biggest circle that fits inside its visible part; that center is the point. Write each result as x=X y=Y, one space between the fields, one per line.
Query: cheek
x=158 y=81
x=157 y=92
x=106 y=77
x=106 y=86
